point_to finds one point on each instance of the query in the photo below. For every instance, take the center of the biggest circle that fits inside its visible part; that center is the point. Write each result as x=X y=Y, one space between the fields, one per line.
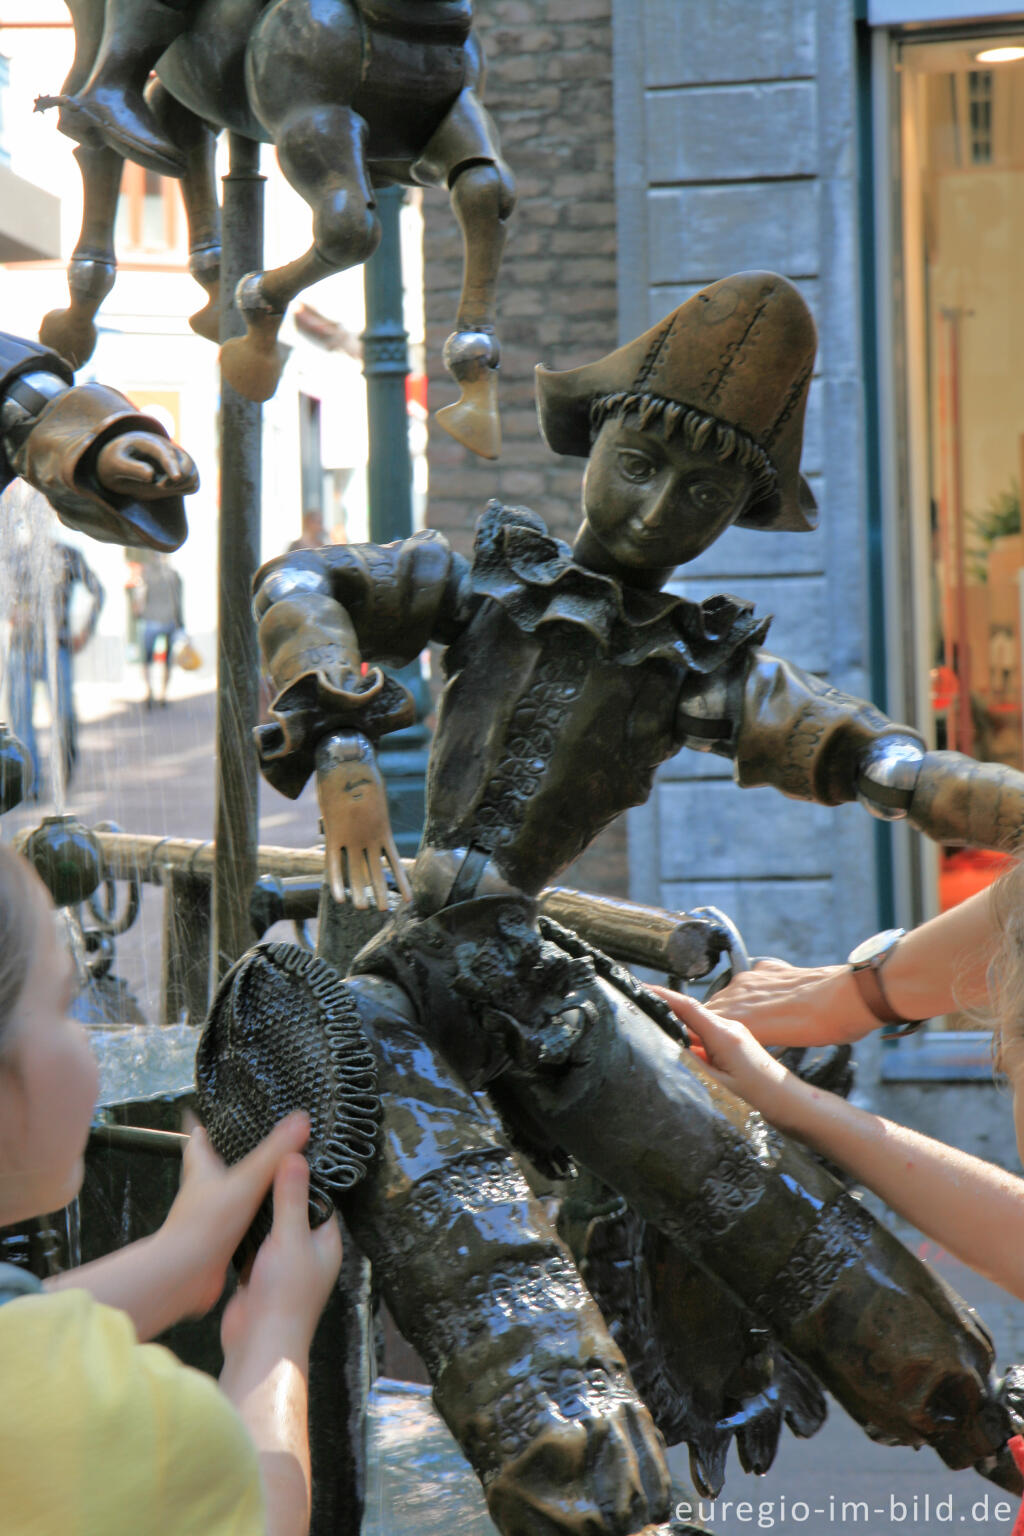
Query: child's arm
x=935 y=968
x=180 y=1270
x=973 y=1209
x=266 y=1333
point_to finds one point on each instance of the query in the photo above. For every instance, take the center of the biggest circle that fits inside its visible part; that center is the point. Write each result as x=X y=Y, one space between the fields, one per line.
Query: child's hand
x=216 y=1204
x=734 y=1057
x=292 y=1275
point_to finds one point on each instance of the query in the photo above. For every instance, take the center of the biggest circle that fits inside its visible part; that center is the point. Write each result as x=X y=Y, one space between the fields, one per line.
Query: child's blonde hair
x=21 y=896
x=1006 y=971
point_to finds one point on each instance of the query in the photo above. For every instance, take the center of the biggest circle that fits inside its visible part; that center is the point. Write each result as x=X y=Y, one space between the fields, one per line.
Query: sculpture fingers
x=357 y=880
x=394 y=858
x=336 y=871
x=378 y=881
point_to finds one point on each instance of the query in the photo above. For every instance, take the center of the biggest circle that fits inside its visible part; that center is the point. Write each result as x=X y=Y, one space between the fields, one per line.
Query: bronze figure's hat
x=740 y=351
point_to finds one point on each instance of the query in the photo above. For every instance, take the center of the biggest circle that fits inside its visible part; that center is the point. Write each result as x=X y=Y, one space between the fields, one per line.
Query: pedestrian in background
x=44 y=586
x=160 y=608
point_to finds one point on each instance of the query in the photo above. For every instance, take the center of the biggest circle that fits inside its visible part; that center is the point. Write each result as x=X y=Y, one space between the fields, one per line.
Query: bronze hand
x=356 y=826
x=145 y=465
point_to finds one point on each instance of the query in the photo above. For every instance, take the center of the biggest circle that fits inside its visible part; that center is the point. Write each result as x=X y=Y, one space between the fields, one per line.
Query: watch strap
x=868 y=978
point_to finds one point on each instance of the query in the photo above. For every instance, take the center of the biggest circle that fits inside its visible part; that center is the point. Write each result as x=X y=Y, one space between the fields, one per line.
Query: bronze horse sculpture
x=354 y=95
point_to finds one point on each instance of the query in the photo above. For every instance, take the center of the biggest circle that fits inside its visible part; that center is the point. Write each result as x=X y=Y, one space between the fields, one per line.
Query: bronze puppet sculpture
x=355 y=94
x=107 y=469
x=570 y=676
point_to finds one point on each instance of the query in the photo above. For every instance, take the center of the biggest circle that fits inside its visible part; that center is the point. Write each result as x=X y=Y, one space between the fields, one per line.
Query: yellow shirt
x=103 y=1436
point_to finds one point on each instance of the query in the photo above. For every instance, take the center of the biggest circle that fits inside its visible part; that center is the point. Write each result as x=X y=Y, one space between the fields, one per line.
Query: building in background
x=315 y=426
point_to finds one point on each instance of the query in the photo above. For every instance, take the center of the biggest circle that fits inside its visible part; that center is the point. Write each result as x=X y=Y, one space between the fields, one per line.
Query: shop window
x=961 y=208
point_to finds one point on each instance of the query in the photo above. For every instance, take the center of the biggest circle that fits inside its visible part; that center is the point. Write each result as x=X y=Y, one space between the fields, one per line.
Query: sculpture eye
x=637 y=467
x=708 y=496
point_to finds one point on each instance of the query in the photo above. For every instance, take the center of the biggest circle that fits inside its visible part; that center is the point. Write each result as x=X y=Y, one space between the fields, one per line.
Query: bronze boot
x=110 y=106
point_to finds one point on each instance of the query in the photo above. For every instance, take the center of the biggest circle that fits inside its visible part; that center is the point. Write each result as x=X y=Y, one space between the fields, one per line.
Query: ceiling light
x=999 y=55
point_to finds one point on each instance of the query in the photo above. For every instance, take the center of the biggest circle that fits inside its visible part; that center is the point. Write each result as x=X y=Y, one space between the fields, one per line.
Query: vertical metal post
x=386 y=366
x=186 y=947
x=341 y=1364
x=402 y=754
x=235 y=826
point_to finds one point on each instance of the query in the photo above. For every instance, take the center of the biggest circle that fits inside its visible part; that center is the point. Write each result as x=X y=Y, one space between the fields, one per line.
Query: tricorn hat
x=742 y=352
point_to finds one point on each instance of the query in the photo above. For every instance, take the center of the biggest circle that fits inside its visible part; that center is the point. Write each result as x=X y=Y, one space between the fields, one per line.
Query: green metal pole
x=402 y=754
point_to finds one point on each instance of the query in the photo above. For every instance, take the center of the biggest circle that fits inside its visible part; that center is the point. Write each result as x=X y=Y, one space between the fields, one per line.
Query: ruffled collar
x=535 y=579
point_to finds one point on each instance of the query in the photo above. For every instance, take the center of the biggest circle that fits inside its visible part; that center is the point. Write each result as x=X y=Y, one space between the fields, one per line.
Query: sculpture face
x=653 y=503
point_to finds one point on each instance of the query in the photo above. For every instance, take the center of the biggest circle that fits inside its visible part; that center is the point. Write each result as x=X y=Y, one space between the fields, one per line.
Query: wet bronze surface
x=362 y=94
x=570 y=675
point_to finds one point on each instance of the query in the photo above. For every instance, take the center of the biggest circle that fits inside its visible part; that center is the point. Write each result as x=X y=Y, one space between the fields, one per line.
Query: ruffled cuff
x=59 y=458
x=313 y=707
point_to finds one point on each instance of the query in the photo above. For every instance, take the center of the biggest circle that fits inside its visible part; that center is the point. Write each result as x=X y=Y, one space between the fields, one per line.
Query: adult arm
x=933 y=969
x=972 y=1208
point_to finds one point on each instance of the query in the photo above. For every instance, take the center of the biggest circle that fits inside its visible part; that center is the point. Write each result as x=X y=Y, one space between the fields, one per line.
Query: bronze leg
x=109 y=107
x=93 y=264
x=524 y=1370
x=304 y=66
x=463 y=154
x=873 y=1323
x=320 y=150
x=198 y=145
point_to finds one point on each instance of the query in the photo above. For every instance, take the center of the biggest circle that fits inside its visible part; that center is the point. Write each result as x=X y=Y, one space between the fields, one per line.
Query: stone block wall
x=549 y=88
x=736 y=134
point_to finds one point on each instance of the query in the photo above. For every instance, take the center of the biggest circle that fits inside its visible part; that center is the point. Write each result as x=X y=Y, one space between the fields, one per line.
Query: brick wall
x=549 y=88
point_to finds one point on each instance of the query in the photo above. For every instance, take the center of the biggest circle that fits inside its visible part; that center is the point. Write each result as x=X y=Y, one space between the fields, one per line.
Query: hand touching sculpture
x=353 y=802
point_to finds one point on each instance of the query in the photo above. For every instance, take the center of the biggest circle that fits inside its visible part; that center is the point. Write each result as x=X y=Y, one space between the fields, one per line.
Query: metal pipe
x=672 y=942
x=134 y=1138
x=235 y=824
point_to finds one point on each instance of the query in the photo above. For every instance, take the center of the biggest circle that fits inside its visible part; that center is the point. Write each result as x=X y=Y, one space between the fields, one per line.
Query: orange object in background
x=965 y=871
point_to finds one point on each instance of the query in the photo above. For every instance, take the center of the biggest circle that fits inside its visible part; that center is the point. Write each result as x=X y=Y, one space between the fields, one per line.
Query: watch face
x=875 y=948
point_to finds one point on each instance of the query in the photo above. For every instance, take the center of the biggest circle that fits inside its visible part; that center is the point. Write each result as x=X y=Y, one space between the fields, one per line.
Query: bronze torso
x=562 y=699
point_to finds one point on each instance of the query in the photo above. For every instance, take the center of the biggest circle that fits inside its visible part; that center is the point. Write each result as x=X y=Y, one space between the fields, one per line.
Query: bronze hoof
x=72 y=335
x=251 y=365
x=206 y=321
x=473 y=420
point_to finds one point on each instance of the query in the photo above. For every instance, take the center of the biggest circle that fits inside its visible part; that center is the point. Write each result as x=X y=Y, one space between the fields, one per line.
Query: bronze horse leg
x=463 y=154
x=320 y=148
x=198 y=146
x=301 y=73
x=93 y=265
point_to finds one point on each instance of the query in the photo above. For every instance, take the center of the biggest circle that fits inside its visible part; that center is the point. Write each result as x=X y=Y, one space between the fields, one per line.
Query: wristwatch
x=866 y=962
